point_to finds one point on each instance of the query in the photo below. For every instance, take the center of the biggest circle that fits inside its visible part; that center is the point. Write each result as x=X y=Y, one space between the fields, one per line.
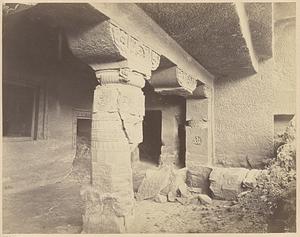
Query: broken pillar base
x=104 y=213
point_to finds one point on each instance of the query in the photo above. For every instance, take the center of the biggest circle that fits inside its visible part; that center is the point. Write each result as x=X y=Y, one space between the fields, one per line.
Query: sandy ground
x=57 y=208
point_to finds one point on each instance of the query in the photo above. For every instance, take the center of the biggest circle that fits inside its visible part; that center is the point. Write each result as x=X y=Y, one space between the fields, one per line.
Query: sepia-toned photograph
x=149 y=117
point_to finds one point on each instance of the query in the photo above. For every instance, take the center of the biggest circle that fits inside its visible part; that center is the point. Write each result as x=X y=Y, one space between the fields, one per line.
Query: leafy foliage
x=274 y=196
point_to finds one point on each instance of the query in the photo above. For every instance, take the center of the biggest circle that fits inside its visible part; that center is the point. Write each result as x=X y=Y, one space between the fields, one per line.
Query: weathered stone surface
x=182 y=200
x=226 y=183
x=174 y=81
x=137 y=179
x=202 y=28
x=44 y=169
x=250 y=180
x=198 y=177
x=194 y=200
x=195 y=190
x=197 y=144
x=160 y=198
x=171 y=197
x=153 y=183
x=116 y=131
x=204 y=199
x=260 y=24
x=177 y=185
x=197 y=109
x=103 y=212
x=184 y=192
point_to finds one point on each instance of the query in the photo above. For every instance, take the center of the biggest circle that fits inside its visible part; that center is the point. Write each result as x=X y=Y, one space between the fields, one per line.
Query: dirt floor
x=57 y=208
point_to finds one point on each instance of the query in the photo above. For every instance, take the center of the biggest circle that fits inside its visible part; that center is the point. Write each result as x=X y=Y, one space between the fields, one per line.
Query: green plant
x=275 y=192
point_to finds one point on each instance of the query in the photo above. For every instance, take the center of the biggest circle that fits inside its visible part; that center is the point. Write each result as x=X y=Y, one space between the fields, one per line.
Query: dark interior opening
x=18 y=110
x=84 y=129
x=182 y=146
x=150 y=148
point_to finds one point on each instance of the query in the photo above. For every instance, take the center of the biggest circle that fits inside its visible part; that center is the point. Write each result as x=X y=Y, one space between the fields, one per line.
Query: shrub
x=275 y=195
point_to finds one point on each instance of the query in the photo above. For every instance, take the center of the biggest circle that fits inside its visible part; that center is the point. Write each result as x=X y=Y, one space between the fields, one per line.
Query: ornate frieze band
x=135 y=51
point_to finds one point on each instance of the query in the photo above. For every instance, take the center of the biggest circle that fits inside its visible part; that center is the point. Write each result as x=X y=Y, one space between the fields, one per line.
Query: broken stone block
x=160 y=198
x=177 y=185
x=198 y=177
x=182 y=200
x=153 y=182
x=184 y=192
x=250 y=180
x=137 y=179
x=194 y=200
x=195 y=190
x=226 y=183
x=204 y=199
x=171 y=197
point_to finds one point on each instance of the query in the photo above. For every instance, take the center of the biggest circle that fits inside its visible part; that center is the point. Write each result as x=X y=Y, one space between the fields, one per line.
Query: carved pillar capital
x=121 y=75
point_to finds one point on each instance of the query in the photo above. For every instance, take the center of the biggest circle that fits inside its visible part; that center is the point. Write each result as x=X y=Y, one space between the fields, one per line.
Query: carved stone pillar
x=122 y=63
x=118 y=112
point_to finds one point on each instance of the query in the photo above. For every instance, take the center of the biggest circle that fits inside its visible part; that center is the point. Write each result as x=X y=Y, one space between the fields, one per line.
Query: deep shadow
x=150 y=148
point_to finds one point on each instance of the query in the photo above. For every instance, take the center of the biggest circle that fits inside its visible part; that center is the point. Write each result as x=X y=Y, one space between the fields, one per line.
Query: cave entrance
x=150 y=148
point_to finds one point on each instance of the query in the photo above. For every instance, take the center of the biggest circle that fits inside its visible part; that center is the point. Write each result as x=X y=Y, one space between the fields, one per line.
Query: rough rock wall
x=284 y=79
x=245 y=107
x=244 y=119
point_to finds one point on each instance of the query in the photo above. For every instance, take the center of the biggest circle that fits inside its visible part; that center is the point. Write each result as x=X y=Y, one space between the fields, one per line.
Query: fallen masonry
x=170 y=184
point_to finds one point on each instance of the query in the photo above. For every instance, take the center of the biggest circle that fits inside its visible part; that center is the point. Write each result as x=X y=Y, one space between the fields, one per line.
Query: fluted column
x=118 y=112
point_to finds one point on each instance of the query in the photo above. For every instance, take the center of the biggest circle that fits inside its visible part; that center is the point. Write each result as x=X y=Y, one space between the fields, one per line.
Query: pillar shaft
x=118 y=112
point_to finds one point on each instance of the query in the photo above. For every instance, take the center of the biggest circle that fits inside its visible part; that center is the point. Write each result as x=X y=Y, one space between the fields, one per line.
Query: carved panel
x=135 y=51
x=185 y=80
x=197 y=140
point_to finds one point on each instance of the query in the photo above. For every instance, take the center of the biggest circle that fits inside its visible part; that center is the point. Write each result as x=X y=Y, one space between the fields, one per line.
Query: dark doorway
x=84 y=127
x=150 y=148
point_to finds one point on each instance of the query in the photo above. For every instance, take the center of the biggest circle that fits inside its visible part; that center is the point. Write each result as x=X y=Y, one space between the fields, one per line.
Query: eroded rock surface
x=153 y=182
x=226 y=183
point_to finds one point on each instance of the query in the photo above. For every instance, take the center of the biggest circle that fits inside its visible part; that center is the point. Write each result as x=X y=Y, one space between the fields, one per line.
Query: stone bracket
x=107 y=42
x=138 y=55
x=175 y=81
